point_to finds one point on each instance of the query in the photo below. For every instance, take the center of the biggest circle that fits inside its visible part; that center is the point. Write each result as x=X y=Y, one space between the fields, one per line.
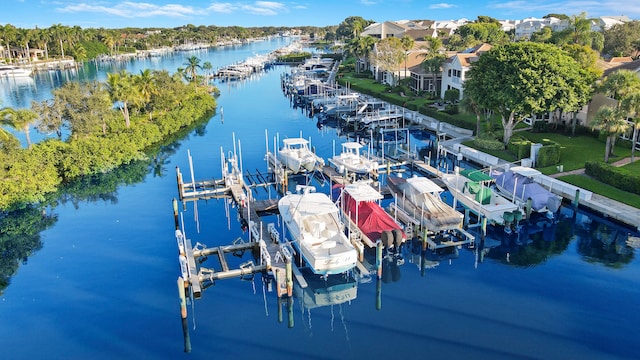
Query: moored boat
x=518 y=184
x=297 y=157
x=480 y=198
x=317 y=232
x=359 y=203
x=14 y=71
x=420 y=198
x=352 y=160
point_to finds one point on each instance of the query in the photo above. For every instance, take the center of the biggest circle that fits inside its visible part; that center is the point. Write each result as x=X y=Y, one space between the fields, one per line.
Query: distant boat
x=480 y=198
x=14 y=71
x=518 y=185
x=420 y=198
x=352 y=160
x=297 y=157
x=359 y=202
x=317 y=232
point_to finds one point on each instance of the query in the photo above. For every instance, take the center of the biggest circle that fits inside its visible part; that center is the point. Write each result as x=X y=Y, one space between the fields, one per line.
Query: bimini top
x=295 y=141
x=476 y=175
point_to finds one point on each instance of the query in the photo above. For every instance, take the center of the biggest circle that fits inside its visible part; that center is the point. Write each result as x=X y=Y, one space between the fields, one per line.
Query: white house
x=455 y=68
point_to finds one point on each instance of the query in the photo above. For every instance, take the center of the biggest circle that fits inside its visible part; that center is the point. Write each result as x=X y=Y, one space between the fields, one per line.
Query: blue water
x=103 y=283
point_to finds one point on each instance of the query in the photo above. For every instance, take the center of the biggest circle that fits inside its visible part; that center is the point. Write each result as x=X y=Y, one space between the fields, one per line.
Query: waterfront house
x=455 y=68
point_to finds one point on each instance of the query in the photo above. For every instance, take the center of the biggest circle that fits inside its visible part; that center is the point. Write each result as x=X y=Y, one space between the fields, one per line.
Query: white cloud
x=367 y=2
x=226 y=8
x=266 y=8
x=442 y=6
x=129 y=9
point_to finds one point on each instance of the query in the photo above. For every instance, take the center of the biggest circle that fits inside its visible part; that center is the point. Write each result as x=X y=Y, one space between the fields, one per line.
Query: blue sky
x=173 y=13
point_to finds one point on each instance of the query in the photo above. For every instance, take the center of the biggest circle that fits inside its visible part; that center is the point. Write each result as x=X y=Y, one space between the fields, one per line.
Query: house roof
x=629 y=65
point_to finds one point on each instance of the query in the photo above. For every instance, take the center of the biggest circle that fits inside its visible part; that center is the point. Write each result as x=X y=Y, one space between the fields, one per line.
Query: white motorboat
x=14 y=71
x=420 y=198
x=352 y=160
x=480 y=198
x=297 y=157
x=317 y=232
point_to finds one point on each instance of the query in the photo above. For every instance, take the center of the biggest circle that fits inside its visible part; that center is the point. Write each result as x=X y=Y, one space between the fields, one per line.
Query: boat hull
x=317 y=233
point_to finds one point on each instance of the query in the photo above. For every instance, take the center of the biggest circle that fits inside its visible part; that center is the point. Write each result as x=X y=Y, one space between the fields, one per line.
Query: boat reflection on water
x=598 y=240
x=319 y=291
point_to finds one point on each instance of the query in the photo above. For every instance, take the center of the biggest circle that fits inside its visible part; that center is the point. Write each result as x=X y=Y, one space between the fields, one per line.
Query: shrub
x=520 y=147
x=549 y=154
x=488 y=143
x=617 y=177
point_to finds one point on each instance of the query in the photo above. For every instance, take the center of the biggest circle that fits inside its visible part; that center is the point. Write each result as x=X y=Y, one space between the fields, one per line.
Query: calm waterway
x=100 y=282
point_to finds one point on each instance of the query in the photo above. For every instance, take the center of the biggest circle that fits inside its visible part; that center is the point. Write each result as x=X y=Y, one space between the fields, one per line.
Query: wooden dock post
x=484 y=228
x=378 y=294
x=289 y=276
x=175 y=214
x=379 y=258
x=183 y=315
x=180 y=184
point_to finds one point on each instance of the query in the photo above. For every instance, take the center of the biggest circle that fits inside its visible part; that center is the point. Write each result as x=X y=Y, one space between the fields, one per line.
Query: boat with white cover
x=420 y=198
x=317 y=231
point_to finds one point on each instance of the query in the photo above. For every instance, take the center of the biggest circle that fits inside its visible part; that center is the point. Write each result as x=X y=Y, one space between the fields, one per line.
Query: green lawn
x=597 y=187
x=577 y=150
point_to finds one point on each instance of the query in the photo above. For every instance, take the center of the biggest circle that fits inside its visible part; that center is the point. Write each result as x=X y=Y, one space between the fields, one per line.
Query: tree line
x=87 y=43
x=107 y=124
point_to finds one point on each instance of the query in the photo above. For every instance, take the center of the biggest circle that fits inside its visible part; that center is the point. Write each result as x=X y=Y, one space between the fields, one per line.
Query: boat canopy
x=370 y=218
x=423 y=185
x=295 y=141
x=476 y=175
x=363 y=192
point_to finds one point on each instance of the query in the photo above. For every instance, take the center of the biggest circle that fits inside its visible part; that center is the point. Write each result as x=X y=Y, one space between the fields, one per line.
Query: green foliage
x=294 y=57
x=488 y=143
x=19 y=238
x=32 y=174
x=548 y=154
x=94 y=48
x=622 y=39
x=620 y=178
x=520 y=147
x=452 y=95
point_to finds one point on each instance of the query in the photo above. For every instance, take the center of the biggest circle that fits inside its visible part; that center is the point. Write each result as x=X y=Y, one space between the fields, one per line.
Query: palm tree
x=433 y=60
x=207 y=66
x=192 y=65
x=21 y=119
x=146 y=86
x=611 y=124
x=407 y=44
x=122 y=92
x=631 y=106
x=621 y=86
x=5 y=121
x=60 y=32
x=9 y=34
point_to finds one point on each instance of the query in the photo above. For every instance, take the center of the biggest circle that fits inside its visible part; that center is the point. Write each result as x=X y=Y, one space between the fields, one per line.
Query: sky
x=174 y=13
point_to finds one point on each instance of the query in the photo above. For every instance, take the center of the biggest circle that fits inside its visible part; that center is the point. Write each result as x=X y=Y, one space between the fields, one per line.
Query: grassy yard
x=597 y=187
x=577 y=150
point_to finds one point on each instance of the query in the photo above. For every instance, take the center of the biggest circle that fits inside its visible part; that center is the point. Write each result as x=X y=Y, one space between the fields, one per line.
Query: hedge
x=488 y=144
x=520 y=147
x=617 y=177
x=549 y=154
